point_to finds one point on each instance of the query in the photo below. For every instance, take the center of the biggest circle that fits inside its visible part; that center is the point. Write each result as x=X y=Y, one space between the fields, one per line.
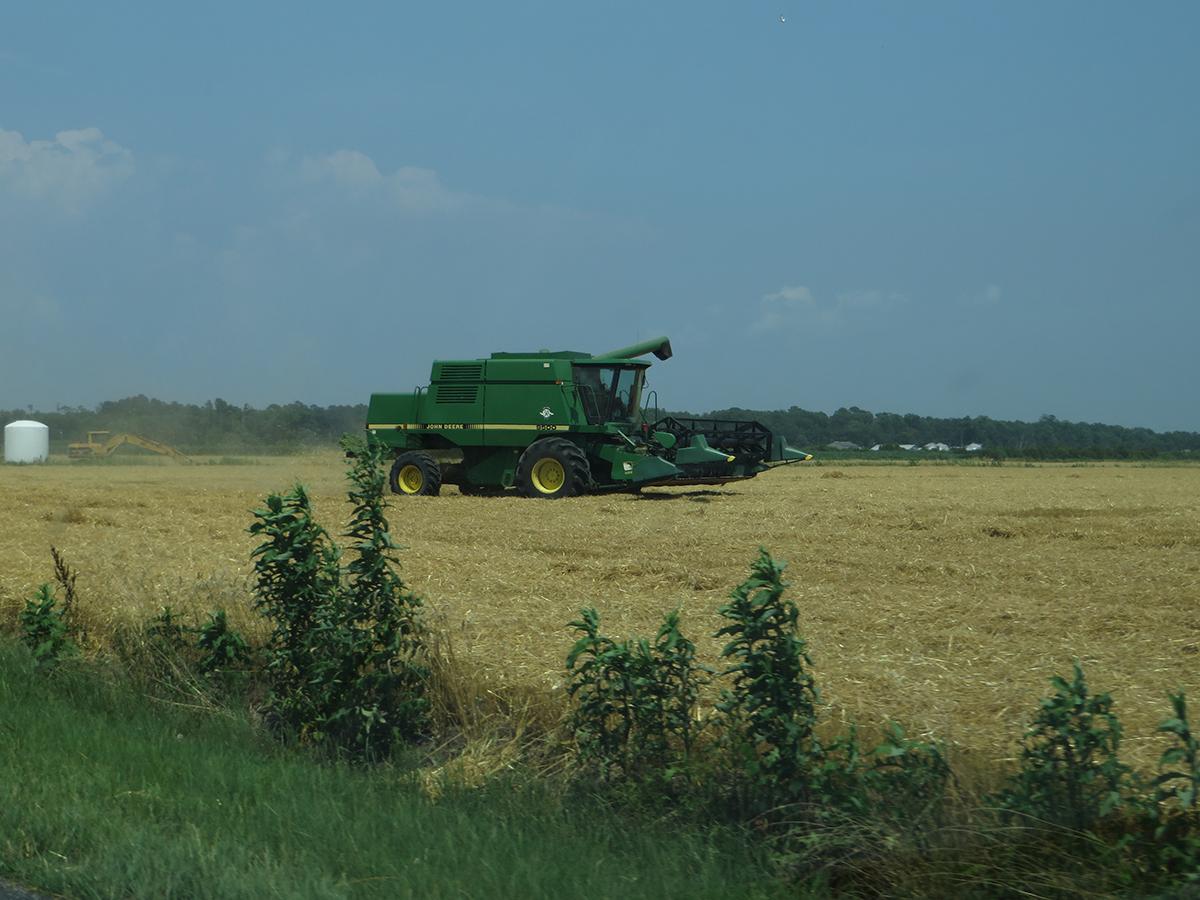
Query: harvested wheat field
x=939 y=596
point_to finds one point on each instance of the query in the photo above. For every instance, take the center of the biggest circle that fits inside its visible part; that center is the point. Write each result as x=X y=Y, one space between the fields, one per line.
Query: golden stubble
x=938 y=596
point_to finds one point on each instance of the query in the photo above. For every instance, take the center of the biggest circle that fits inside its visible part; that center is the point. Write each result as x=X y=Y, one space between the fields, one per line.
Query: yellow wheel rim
x=410 y=479
x=548 y=475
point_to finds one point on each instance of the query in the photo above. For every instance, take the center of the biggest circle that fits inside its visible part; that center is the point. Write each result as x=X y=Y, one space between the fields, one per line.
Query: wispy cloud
x=784 y=307
x=985 y=295
x=796 y=307
x=339 y=206
x=71 y=171
x=356 y=176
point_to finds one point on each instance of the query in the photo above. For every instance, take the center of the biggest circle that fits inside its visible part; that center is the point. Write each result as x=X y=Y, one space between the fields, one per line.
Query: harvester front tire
x=553 y=468
x=416 y=474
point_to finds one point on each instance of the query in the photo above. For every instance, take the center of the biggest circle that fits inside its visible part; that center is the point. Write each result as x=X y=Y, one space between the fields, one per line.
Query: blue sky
x=945 y=208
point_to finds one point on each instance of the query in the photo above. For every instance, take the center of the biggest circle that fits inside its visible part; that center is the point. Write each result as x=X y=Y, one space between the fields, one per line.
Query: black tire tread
x=579 y=474
x=431 y=471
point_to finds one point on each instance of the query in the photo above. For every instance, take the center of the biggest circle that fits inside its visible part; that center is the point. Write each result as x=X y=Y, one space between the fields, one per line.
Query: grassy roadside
x=104 y=795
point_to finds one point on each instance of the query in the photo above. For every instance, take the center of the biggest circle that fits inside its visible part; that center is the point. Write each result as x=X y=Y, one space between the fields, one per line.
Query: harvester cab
x=555 y=425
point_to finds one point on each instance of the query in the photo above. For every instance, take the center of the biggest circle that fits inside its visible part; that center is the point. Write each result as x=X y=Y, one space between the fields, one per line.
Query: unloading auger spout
x=660 y=347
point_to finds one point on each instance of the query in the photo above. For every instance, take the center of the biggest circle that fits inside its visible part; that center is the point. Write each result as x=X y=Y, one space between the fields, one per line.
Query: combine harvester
x=558 y=425
x=97 y=449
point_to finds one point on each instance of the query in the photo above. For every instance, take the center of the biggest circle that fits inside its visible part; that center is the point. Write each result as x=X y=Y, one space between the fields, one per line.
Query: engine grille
x=461 y=372
x=456 y=393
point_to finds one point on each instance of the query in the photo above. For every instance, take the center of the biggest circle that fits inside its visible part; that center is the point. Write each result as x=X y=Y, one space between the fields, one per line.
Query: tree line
x=221 y=427
x=804 y=428
x=216 y=427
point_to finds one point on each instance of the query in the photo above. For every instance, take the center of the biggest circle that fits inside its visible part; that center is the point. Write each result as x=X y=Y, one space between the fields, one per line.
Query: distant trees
x=215 y=427
x=803 y=428
x=221 y=427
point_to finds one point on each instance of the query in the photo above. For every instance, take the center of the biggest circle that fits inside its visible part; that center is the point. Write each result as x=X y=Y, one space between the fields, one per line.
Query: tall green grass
x=103 y=794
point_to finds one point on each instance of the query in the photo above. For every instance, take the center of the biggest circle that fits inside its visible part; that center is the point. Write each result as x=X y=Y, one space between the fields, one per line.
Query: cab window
x=608 y=393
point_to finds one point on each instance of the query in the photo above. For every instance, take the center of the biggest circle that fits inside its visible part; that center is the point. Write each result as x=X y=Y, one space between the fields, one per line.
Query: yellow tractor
x=96 y=447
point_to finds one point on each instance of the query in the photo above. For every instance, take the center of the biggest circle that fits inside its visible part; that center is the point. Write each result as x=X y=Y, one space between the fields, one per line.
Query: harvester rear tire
x=416 y=474
x=552 y=468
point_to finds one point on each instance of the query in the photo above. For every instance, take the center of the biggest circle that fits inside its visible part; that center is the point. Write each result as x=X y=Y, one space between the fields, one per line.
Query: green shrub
x=635 y=701
x=44 y=628
x=1177 y=790
x=826 y=812
x=47 y=628
x=297 y=586
x=1070 y=775
x=899 y=783
x=381 y=632
x=770 y=715
x=343 y=657
x=634 y=715
x=1182 y=787
x=223 y=649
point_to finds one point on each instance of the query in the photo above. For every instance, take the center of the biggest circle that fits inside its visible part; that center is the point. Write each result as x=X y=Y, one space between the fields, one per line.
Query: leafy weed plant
x=635 y=700
x=1177 y=832
x=44 y=628
x=820 y=807
x=47 y=628
x=344 y=654
x=1181 y=787
x=770 y=713
x=223 y=649
x=1070 y=775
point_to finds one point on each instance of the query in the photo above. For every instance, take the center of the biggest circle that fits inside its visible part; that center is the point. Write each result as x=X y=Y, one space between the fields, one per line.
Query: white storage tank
x=26 y=442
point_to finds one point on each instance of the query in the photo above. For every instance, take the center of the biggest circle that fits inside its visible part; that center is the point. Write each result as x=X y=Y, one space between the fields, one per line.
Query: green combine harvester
x=558 y=425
